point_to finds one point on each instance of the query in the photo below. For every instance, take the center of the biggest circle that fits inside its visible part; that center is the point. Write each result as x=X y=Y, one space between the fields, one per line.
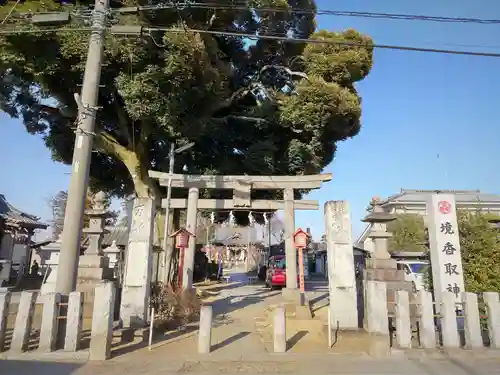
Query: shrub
x=173 y=306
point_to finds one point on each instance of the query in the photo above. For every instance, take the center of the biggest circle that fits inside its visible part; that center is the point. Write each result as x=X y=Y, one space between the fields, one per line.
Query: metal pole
x=168 y=251
x=151 y=325
x=73 y=218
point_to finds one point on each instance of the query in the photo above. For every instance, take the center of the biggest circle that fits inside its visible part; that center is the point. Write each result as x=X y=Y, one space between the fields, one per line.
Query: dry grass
x=173 y=306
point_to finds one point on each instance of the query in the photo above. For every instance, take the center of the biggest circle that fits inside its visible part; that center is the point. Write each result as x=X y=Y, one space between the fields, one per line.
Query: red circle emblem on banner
x=444 y=207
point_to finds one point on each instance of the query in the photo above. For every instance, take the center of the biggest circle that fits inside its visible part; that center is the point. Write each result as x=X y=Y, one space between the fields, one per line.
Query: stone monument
x=381 y=267
x=340 y=257
x=445 y=252
x=93 y=265
x=138 y=266
x=49 y=259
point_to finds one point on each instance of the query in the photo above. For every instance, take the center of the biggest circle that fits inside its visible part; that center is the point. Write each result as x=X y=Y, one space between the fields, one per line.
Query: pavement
x=239 y=346
x=284 y=364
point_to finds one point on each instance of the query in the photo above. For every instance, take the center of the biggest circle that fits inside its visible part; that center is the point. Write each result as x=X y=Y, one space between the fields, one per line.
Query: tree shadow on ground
x=295 y=339
x=230 y=340
x=226 y=305
x=12 y=367
x=225 y=286
x=121 y=348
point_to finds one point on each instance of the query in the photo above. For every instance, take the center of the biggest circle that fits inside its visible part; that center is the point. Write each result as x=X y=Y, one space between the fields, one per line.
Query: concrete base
x=372 y=263
x=93 y=261
x=296 y=304
x=393 y=278
x=291 y=296
x=96 y=274
x=298 y=311
x=89 y=278
x=384 y=274
x=344 y=308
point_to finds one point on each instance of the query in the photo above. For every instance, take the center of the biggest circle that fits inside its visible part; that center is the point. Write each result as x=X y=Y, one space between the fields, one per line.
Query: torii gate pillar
x=290 y=251
x=192 y=209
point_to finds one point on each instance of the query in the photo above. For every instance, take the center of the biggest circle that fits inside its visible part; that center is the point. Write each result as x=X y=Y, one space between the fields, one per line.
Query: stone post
x=427 y=326
x=102 y=322
x=377 y=318
x=403 y=324
x=191 y=222
x=4 y=312
x=340 y=258
x=48 y=330
x=449 y=329
x=472 y=326
x=136 y=284
x=74 y=322
x=290 y=251
x=205 y=332
x=279 y=330
x=24 y=318
x=493 y=311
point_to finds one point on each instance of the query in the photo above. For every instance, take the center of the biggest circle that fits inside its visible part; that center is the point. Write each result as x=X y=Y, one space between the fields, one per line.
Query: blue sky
x=429 y=120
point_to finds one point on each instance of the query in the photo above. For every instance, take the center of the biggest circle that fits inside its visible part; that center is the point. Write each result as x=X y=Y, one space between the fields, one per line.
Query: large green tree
x=480 y=245
x=408 y=233
x=251 y=107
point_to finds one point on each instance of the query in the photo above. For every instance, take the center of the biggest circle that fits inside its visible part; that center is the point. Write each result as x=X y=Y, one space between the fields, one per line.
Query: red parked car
x=276 y=272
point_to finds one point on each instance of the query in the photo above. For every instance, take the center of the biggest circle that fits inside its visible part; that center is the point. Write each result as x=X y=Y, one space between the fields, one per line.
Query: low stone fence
x=59 y=323
x=466 y=325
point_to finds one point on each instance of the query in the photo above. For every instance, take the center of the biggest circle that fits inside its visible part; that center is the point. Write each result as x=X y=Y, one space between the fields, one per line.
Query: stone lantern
x=97 y=221
x=379 y=219
x=93 y=266
x=381 y=267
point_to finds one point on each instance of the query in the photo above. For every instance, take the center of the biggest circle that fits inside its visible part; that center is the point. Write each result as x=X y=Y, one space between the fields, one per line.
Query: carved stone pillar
x=136 y=285
x=340 y=258
x=191 y=222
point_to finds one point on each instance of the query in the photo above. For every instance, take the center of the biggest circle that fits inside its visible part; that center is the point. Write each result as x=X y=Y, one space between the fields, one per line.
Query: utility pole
x=87 y=110
x=169 y=250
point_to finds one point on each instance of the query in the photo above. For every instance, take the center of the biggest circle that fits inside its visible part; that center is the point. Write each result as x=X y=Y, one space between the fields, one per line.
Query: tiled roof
x=413 y=195
x=239 y=236
x=11 y=214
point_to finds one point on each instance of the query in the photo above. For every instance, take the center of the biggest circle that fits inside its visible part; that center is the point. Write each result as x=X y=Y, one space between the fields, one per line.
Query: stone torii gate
x=242 y=187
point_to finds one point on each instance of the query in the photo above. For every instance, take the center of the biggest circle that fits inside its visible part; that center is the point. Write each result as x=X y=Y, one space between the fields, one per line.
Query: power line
x=179 y=6
x=10 y=12
x=327 y=41
x=302 y=11
x=135 y=30
x=44 y=31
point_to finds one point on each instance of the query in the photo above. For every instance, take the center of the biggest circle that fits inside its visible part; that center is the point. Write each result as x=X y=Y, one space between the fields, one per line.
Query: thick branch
x=144 y=187
x=123 y=119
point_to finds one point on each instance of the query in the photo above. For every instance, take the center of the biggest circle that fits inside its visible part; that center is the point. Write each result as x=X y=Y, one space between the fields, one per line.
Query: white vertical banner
x=444 y=241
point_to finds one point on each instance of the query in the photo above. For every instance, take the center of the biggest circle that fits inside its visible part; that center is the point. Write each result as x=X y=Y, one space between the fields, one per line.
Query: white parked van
x=415 y=272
